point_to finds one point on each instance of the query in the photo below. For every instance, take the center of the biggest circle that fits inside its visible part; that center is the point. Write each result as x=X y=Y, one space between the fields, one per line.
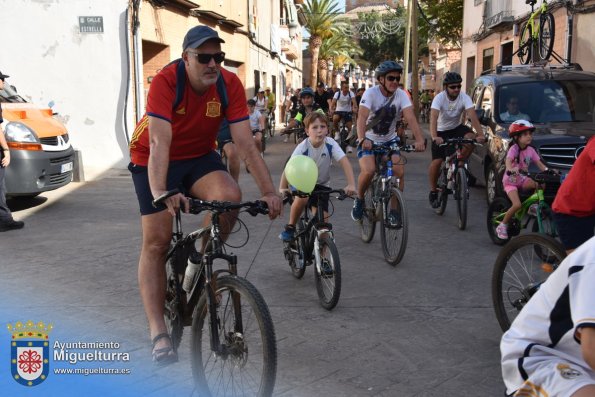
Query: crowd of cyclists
x=165 y=154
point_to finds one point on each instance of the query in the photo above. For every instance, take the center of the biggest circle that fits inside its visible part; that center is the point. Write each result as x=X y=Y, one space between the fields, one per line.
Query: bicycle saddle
x=530 y=2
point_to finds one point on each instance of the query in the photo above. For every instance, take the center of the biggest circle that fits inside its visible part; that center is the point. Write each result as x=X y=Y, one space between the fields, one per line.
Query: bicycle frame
x=535 y=27
x=537 y=197
x=454 y=159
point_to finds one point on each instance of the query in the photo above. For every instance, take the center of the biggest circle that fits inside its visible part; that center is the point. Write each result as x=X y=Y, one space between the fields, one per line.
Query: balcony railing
x=503 y=17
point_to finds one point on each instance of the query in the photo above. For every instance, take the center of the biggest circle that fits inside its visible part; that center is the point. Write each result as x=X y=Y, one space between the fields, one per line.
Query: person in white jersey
x=446 y=122
x=379 y=110
x=261 y=102
x=343 y=105
x=549 y=349
x=257 y=121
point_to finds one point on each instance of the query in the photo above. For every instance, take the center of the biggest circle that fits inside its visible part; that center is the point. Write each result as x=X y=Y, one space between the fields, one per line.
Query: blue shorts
x=393 y=144
x=181 y=174
x=574 y=230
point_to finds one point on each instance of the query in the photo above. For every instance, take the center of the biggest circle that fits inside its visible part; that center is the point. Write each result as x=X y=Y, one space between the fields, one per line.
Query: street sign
x=91 y=24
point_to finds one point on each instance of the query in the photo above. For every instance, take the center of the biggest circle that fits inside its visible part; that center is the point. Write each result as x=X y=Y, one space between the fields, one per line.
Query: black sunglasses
x=454 y=87
x=206 y=58
x=393 y=78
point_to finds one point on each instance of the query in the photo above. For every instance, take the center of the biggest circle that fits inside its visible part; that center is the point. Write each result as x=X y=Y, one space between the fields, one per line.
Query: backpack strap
x=329 y=148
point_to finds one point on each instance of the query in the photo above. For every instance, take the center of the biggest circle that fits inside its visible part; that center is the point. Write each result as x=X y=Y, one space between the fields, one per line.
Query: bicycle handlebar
x=381 y=149
x=457 y=141
x=290 y=195
x=541 y=176
x=196 y=206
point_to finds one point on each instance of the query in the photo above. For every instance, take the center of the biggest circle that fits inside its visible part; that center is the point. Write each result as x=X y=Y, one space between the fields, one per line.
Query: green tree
x=337 y=47
x=320 y=17
x=443 y=20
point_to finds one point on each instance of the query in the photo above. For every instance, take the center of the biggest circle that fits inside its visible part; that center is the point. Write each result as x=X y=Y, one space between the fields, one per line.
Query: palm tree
x=337 y=46
x=320 y=16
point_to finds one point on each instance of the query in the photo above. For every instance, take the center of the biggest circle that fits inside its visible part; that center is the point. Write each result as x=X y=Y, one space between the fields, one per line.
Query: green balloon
x=302 y=173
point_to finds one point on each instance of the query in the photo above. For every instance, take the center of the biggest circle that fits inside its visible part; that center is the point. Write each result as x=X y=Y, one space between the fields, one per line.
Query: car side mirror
x=481 y=116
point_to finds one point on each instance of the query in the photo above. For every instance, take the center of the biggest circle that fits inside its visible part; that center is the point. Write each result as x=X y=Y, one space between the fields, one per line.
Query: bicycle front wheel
x=328 y=274
x=393 y=232
x=246 y=362
x=526 y=45
x=461 y=193
x=546 y=35
x=368 y=224
x=297 y=262
x=519 y=271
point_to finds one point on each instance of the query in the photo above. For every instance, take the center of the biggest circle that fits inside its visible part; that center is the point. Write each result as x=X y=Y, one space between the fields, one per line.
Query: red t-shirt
x=576 y=195
x=196 y=120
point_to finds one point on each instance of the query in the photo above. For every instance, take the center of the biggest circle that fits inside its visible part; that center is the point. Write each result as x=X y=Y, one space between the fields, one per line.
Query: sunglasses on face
x=393 y=78
x=206 y=58
x=455 y=87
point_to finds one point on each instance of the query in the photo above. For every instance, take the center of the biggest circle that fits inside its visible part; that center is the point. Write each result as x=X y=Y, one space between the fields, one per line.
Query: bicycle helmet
x=452 y=78
x=387 y=66
x=520 y=126
x=307 y=91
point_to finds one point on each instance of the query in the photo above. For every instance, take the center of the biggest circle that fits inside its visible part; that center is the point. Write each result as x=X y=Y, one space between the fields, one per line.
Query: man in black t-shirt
x=322 y=98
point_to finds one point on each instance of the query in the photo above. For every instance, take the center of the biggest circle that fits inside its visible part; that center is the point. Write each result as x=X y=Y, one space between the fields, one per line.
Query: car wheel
x=493 y=188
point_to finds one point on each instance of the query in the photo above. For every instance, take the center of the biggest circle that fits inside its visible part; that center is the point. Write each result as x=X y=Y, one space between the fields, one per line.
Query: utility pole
x=407 y=45
x=414 y=58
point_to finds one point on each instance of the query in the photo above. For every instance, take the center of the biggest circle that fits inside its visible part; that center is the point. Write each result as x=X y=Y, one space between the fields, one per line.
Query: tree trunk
x=322 y=70
x=315 y=42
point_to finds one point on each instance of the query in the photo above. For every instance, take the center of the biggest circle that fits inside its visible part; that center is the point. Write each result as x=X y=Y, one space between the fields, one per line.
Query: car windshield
x=547 y=101
x=9 y=94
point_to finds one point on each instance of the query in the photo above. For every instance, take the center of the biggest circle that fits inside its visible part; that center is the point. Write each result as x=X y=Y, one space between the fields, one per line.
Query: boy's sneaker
x=394 y=219
x=357 y=212
x=287 y=234
x=434 y=202
x=502 y=231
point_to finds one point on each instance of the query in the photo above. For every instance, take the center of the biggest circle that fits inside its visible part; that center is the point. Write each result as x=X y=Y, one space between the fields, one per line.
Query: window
x=488 y=59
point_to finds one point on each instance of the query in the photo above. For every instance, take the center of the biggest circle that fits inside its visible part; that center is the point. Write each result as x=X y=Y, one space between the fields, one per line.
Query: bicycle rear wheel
x=546 y=35
x=174 y=304
x=519 y=272
x=328 y=274
x=297 y=262
x=496 y=212
x=442 y=191
x=461 y=193
x=368 y=223
x=393 y=238
x=248 y=362
x=526 y=45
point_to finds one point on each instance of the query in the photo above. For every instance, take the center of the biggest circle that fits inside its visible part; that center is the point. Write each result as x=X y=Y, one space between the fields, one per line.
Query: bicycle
x=233 y=337
x=425 y=113
x=271 y=123
x=533 y=208
x=384 y=203
x=263 y=140
x=453 y=179
x=537 y=37
x=343 y=134
x=314 y=242
x=520 y=269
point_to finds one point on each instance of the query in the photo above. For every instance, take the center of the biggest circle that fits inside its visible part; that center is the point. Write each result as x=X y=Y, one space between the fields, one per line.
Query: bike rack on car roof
x=536 y=66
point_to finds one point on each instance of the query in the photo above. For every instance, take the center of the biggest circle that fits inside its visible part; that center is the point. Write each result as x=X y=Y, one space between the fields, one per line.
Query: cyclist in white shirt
x=446 y=122
x=342 y=106
x=257 y=121
x=261 y=102
x=549 y=349
x=380 y=109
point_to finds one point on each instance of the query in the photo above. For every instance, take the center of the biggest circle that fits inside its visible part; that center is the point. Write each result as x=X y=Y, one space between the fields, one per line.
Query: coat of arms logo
x=30 y=358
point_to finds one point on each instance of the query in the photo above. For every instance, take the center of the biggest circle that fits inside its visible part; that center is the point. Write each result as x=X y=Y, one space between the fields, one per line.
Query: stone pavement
x=423 y=328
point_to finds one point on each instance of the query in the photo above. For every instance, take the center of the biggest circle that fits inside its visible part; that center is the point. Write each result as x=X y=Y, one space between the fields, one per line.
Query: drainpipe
x=138 y=62
x=570 y=22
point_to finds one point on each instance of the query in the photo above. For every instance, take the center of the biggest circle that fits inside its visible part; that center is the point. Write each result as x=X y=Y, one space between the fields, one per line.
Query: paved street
x=423 y=328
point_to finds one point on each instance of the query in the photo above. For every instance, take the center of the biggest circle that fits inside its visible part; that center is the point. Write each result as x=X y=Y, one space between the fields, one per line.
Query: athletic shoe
x=357 y=212
x=394 y=219
x=288 y=234
x=11 y=225
x=434 y=201
x=326 y=270
x=502 y=231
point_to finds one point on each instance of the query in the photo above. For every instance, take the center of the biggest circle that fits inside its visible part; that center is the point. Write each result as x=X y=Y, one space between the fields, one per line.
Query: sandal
x=164 y=355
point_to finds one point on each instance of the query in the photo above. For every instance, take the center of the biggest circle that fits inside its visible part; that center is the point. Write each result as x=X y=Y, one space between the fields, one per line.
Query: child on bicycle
x=549 y=349
x=322 y=150
x=520 y=154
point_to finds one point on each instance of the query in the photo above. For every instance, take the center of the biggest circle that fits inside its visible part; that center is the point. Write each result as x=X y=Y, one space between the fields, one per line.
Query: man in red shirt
x=574 y=205
x=174 y=148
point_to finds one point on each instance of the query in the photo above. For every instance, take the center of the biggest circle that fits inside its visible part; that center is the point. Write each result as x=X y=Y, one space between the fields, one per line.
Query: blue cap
x=198 y=35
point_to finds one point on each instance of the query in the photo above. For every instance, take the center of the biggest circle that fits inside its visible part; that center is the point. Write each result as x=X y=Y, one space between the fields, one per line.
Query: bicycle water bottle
x=389 y=168
x=191 y=269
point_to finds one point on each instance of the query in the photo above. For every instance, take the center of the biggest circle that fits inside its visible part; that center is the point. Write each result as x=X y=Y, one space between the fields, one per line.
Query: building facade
x=97 y=77
x=492 y=29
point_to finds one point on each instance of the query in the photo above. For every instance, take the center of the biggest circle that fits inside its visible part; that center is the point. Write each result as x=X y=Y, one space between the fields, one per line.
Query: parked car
x=42 y=157
x=558 y=100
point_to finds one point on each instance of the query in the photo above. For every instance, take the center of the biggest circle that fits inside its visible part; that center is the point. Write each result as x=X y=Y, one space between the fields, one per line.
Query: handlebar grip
x=159 y=200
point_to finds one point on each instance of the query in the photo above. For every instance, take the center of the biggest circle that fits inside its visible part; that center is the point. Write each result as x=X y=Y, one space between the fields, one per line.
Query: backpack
x=329 y=149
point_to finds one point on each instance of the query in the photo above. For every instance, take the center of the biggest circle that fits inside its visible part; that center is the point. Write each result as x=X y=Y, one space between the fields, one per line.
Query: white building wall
x=84 y=74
